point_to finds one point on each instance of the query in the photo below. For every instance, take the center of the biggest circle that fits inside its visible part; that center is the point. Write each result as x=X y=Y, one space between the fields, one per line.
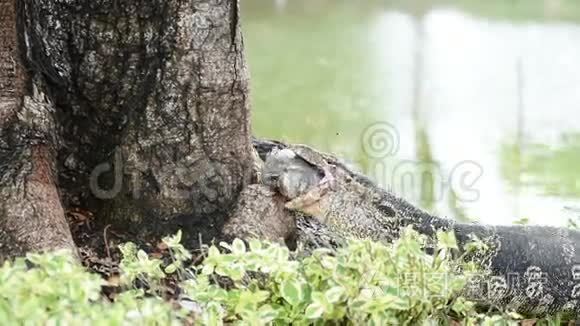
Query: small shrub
x=363 y=283
x=58 y=291
x=257 y=283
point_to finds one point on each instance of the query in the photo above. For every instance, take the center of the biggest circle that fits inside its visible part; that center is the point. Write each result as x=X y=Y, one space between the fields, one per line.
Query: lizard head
x=277 y=163
x=289 y=173
x=301 y=175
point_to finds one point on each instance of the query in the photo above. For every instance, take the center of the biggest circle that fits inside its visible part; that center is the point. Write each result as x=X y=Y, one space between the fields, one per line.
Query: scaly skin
x=531 y=269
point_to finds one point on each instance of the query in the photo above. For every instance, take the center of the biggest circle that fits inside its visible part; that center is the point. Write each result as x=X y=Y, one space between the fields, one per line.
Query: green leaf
x=212 y=315
x=261 y=296
x=334 y=294
x=238 y=247
x=142 y=255
x=267 y=314
x=236 y=272
x=291 y=292
x=207 y=269
x=446 y=240
x=314 y=311
x=459 y=305
x=514 y=315
x=213 y=251
x=170 y=269
x=172 y=241
x=177 y=238
x=255 y=245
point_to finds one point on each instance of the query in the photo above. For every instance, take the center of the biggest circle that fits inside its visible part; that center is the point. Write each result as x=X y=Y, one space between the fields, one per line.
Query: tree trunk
x=135 y=111
x=31 y=214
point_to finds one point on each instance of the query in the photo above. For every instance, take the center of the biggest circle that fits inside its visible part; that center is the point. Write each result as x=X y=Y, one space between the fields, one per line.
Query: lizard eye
x=271 y=177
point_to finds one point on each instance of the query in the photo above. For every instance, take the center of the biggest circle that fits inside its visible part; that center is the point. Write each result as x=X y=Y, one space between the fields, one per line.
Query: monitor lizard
x=531 y=269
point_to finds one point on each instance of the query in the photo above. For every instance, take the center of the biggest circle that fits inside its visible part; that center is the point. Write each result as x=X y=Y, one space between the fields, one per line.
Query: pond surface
x=470 y=109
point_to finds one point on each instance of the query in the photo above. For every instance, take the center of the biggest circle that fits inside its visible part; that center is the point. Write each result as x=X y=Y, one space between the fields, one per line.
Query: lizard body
x=531 y=269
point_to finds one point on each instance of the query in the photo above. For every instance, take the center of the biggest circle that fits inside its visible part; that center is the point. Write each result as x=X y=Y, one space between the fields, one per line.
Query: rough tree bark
x=134 y=110
x=31 y=214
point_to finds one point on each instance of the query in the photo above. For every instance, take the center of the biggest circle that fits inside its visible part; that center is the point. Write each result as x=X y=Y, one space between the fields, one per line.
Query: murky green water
x=470 y=109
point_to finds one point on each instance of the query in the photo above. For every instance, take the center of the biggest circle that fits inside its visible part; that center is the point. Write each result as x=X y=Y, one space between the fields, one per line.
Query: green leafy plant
x=56 y=290
x=254 y=283
x=362 y=283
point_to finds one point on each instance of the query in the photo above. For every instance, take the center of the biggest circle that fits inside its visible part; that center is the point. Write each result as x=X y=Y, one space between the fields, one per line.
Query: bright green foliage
x=363 y=283
x=136 y=265
x=257 y=283
x=58 y=291
x=178 y=253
